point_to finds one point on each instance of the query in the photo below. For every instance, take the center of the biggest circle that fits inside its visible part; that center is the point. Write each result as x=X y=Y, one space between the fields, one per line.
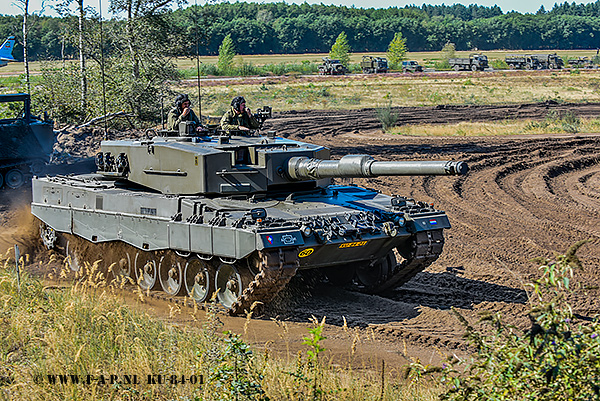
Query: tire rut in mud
x=523 y=197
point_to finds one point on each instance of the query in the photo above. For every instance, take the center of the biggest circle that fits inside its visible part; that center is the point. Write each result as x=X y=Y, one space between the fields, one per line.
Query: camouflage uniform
x=174 y=118
x=231 y=121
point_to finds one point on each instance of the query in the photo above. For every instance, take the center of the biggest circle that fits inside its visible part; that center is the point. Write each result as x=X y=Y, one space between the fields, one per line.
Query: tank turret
x=240 y=216
x=244 y=164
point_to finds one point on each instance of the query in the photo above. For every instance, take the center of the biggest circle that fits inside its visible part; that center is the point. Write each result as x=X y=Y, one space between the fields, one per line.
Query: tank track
x=275 y=270
x=426 y=247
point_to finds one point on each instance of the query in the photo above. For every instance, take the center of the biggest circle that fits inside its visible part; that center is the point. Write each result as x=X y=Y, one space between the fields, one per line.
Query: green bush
x=556 y=358
x=442 y=65
x=386 y=116
x=498 y=64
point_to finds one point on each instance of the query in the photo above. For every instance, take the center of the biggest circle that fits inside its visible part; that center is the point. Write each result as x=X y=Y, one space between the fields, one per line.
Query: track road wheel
x=123 y=266
x=146 y=270
x=14 y=178
x=230 y=282
x=170 y=274
x=369 y=277
x=197 y=279
x=1 y=179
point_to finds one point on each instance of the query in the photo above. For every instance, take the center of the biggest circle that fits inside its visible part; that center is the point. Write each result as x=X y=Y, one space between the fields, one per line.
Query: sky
x=8 y=7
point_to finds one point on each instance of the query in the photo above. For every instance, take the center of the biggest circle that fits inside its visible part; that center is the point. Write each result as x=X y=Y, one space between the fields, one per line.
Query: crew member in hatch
x=239 y=117
x=183 y=112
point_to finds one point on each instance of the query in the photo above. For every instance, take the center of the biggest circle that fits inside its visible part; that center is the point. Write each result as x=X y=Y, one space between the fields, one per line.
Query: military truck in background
x=374 y=65
x=521 y=62
x=580 y=62
x=411 y=66
x=550 y=61
x=26 y=142
x=534 y=61
x=475 y=62
x=332 y=67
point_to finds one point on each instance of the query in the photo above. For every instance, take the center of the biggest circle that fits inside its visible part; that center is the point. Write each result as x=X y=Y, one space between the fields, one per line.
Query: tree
x=141 y=42
x=341 y=49
x=63 y=11
x=448 y=51
x=145 y=26
x=226 y=54
x=24 y=6
x=396 y=50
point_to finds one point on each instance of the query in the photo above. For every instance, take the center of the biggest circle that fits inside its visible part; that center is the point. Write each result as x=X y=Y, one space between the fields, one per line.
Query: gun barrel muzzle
x=356 y=166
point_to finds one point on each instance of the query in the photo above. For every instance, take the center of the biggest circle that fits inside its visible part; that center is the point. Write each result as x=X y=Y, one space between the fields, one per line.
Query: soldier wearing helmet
x=239 y=117
x=182 y=112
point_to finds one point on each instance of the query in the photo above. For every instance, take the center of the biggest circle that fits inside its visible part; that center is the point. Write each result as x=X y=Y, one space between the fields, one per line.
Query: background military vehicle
x=521 y=61
x=373 y=65
x=550 y=61
x=240 y=214
x=26 y=141
x=581 y=62
x=475 y=62
x=411 y=66
x=332 y=67
x=534 y=61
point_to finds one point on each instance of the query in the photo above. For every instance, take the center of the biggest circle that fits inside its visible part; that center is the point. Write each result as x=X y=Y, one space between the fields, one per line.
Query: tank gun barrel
x=356 y=166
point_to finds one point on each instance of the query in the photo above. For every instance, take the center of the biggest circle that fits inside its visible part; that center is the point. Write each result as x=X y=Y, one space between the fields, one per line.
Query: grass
x=552 y=124
x=185 y=63
x=359 y=91
x=85 y=330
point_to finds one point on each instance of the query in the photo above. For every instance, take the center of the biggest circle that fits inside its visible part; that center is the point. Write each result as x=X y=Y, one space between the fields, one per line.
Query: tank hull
x=335 y=229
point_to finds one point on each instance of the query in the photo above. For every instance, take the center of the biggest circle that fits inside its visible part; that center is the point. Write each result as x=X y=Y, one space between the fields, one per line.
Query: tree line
x=304 y=28
x=126 y=63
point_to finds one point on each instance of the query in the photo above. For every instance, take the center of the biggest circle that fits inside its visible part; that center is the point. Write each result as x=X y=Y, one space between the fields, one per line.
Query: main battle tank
x=25 y=143
x=241 y=214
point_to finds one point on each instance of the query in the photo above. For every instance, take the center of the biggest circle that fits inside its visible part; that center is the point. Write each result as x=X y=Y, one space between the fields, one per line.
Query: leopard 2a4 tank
x=240 y=215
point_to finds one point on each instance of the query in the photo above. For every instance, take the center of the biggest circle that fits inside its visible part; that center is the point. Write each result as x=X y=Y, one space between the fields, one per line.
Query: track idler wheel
x=197 y=279
x=369 y=277
x=146 y=270
x=170 y=274
x=230 y=282
x=48 y=235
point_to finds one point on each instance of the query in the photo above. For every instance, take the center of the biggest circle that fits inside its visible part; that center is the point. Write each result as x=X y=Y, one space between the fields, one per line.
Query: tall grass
x=84 y=330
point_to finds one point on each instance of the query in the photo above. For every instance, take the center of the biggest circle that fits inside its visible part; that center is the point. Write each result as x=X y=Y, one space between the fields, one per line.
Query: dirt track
x=524 y=197
x=306 y=123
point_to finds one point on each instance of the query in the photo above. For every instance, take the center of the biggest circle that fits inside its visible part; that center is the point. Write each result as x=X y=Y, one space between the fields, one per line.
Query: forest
x=290 y=28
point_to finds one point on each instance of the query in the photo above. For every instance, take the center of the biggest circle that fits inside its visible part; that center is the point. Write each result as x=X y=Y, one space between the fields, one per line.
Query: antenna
x=199 y=85
x=102 y=70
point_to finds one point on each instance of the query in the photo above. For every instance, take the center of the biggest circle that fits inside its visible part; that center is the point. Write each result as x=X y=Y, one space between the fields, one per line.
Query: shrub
x=386 y=116
x=557 y=357
x=498 y=64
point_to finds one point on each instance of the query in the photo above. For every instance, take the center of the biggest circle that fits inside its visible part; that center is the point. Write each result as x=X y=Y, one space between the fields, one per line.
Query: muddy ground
x=524 y=197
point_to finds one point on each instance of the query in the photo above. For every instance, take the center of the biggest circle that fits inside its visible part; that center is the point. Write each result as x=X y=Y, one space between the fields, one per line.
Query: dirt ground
x=524 y=197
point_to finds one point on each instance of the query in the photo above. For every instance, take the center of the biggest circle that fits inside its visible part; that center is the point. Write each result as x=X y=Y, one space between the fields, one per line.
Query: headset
x=237 y=102
x=181 y=99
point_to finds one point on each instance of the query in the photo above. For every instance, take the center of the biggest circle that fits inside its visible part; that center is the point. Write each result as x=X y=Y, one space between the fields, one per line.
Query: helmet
x=237 y=101
x=180 y=99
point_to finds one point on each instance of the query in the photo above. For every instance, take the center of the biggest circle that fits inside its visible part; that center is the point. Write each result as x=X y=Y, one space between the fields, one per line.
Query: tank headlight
x=401 y=221
x=306 y=231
